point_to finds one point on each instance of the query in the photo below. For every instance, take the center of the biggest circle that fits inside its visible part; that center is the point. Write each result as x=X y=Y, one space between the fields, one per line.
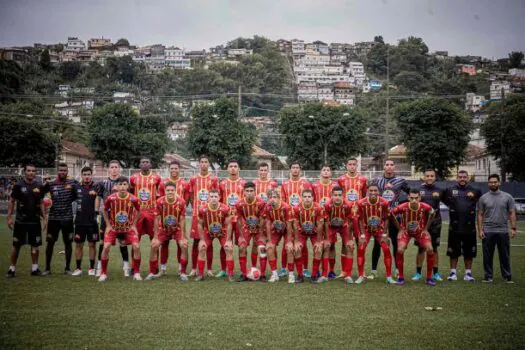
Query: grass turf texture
x=60 y=311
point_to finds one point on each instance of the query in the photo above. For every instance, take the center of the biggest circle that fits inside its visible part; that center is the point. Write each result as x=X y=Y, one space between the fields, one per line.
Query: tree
x=376 y=59
x=379 y=39
x=515 y=59
x=122 y=42
x=122 y=70
x=11 y=79
x=117 y=132
x=17 y=150
x=217 y=132
x=409 y=55
x=45 y=61
x=70 y=70
x=435 y=133
x=507 y=136
x=410 y=81
x=314 y=134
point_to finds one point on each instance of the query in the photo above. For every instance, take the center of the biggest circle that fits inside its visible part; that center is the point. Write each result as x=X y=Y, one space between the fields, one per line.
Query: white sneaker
x=210 y=273
x=452 y=276
x=390 y=280
x=349 y=280
x=274 y=278
x=468 y=277
x=291 y=278
x=91 y=272
x=183 y=277
x=322 y=279
x=163 y=271
x=77 y=272
x=373 y=275
x=125 y=265
x=127 y=273
x=137 y=277
x=98 y=273
x=360 y=280
x=103 y=278
x=193 y=273
x=99 y=265
x=149 y=277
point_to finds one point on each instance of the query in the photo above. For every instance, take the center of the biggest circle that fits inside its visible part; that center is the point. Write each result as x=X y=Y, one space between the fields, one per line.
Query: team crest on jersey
x=24 y=189
x=323 y=201
x=435 y=194
x=278 y=225
x=374 y=221
x=388 y=195
x=470 y=195
x=252 y=221
x=170 y=220
x=263 y=196
x=144 y=194
x=203 y=195
x=336 y=222
x=422 y=193
x=232 y=199
x=215 y=229
x=36 y=190
x=455 y=192
x=294 y=199
x=121 y=217
x=352 y=195
x=308 y=226
x=412 y=226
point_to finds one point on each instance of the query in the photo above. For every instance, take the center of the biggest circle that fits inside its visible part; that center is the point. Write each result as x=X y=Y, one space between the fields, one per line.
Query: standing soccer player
x=121 y=213
x=431 y=195
x=264 y=183
x=105 y=188
x=170 y=223
x=279 y=220
x=144 y=185
x=86 y=226
x=250 y=213
x=200 y=187
x=231 y=191
x=338 y=215
x=63 y=194
x=291 y=191
x=182 y=191
x=394 y=189
x=462 y=200
x=415 y=219
x=27 y=195
x=309 y=225
x=354 y=188
x=215 y=221
x=373 y=216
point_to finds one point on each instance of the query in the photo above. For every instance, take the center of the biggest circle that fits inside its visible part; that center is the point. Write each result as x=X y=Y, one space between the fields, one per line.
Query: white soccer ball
x=254 y=274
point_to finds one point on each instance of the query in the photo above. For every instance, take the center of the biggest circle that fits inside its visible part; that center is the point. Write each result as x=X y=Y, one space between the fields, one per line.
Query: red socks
x=209 y=257
x=304 y=254
x=361 y=260
x=254 y=259
x=229 y=266
x=273 y=264
x=153 y=267
x=332 y=264
x=183 y=265
x=315 y=268
x=178 y=254
x=299 y=266
x=349 y=262
x=388 y=259
x=242 y=264
x=284 y=257
x=400 y=257
x=290 y=267
x=164 y=253
x=104 y=266
x=431 y=259
x=263 y=266
x=136 y=265
x=326 y=263
x=200 y=264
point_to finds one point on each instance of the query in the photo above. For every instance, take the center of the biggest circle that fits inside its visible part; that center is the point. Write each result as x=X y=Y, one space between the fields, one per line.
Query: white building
x=74 y=44
x=357 y=71
x=313 y=60
x=495 y=89
x=515 y=72
x=239 y=52
x=174 y=58
x=474 y=102
x=124 y=52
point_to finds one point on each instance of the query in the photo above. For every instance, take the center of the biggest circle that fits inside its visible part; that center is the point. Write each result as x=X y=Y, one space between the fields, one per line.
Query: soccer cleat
x=400 y=281
x=469 y=278
x=509 y=281
x=137 y=277
x=37 y=272
x=417 y=277
x=103 y=278
x=452 y=276
x=262 y=279
x=193 y=273
x=437 y=277
x=231 y=279
x=10 y=274
x=199 y=278
x=291 y=278
x=487 y=280
x=307 y=273
x=373 y=275
x=183 y=277
x=322 y=279
x=349 y=280
x=314 y=279
x=283 y=272
x=46 y=273
x=163 y=271
x=127 y=272
x=221 y=274
x=299 y=280
x=390 y=280
x=359 y=280
x=210 y=273
x=243 y=278
x=98 y=273
x=77 y=272
x=68 y=272
x=430 y=282
x=149 y=277
x=332 y=275
x=91 y=272
x=274 y=278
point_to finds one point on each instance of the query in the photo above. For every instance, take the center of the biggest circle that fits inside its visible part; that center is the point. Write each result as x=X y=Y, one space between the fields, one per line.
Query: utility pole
x=502 y=160
x=387 y=116
x=239 y=108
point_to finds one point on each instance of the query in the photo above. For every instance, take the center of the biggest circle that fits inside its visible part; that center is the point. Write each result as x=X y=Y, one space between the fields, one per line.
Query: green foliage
x=515 y=59
x=45 y=61
x=217 y=132
x=122 y=70
x=70 y=70
x=311 y=130
x=511 y=133
x=410 y=81
x=116 y=132
x=377 y=60
x=122 y=42
x=435 y=133
x=409 y=55
x=11 y=79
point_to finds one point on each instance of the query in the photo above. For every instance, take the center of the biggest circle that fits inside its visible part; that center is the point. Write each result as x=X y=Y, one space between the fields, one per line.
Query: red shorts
x=194 y=227
x=128 y=237
x=420 y=239
x=145 y=223
x=257 y=237
x=304 y=238
x=343 y=231
x=209 y=239
x=166 y=236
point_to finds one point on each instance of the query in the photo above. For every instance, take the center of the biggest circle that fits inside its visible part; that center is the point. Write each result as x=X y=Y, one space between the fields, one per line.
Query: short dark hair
x=122 y=179
x=390 y=160
x=326 y=166
x=214 y=190
x=62 y=165
x=29 y=165
x=263 y=164
x=353 y=158
x=203 y=156
x=170 y=184
x=295 y=162
x=373 y=184
x=337 y=188
x=429 y=169
x=232 y=161
x=307 y=190
x=175 y=162
x=114 y=162
x=145 y=157
x=86 y=169
x=414 y=191
x=249 y=184
x=272 y=191
x=463 y=172
x=494 y=176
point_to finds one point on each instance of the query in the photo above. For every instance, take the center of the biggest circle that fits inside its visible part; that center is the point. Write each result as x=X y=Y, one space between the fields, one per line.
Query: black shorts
x=462 y=244
x=55 y=226
x=89 y=232
x=24 y=233
x=435 y=235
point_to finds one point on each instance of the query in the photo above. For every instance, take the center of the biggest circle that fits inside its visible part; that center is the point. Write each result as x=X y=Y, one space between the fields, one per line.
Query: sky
x=489 y=28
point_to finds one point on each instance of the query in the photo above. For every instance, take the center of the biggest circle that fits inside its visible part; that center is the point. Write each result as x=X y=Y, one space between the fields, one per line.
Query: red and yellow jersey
x=373 y=216
x=413 y=221
x=278 y=216
x=171 y=214
x=199 y=188
x=231 y=193
x=122 y=211
x=354 y=188
x=291 y=191
x=145 y=188
x=181 y=187
x=338 y=215
x=250 y=214
x=322 y=192
x=214 y=220
x=262 y=187
x=308 y=218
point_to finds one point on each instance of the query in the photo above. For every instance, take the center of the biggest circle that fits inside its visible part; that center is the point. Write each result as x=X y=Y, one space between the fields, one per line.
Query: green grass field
x=63 y=312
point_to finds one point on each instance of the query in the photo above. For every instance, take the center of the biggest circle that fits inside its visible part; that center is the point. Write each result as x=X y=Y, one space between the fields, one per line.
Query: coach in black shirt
x=27 y=194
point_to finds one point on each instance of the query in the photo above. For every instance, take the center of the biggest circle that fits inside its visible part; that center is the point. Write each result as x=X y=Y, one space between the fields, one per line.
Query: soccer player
x=279 y=220
x=63 y=194
x=250 y=213
x=215 y=221
x=338 y=215
x=182 y=192
x=200 y=187
x=27 y=195
x=264 y=182
x=395 y=190
x=170 y=223
x=322 y=191
x=231 y=192
x=291 y=190
x=105 y=189
x=144 y=185
x=373 y=216
x=121 y=213
x=86 y=226
x=462 y=200
x=354 y=188
x=432 y=195
x=309 y=225
x=415 y=219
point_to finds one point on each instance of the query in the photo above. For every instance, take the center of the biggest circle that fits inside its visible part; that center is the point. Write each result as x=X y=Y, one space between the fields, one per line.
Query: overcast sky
x=490 y=28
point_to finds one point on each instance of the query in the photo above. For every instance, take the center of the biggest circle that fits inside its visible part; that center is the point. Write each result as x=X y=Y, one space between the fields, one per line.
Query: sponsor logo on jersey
x=374 y=221
x=435 y=194
x=412 y=226
x=252 y=221
x=308 y=226
x=294 y=199
x=352 y=195
x=232 y=199
x=215 y=229
x=121 y=217
x=388 y=195
x=323 y=201
x=336 y=222
x=278 y=225
x=170 y=220
x=144 y=194
x=203 y=195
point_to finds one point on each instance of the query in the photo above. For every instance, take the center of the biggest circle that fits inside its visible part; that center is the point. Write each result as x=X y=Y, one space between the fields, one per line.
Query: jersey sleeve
x=238 y=210
x=135 y=202
x=15 y=193
x=107 y=203
x=161 y=191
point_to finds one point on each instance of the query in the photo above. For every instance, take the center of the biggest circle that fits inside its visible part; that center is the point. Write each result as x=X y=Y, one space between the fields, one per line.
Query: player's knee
x=229 y=250
x=183 y=245
x=50 y=238
x=401 y=248
x=261 y=250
